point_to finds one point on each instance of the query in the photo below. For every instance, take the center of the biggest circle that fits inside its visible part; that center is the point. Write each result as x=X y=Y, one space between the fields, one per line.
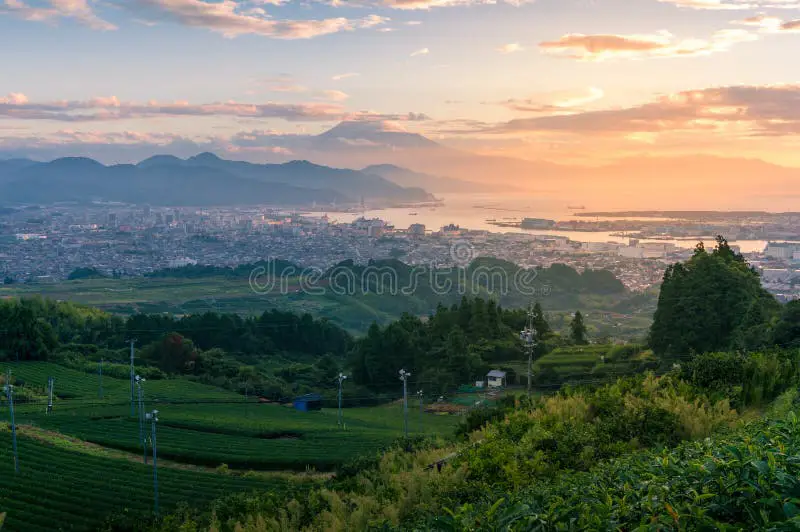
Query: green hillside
x=61 y=488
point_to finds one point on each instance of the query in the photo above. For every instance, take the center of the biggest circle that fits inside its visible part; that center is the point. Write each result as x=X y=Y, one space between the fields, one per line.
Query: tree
x=577 y=330
x=540 y=323
x=85 y=273
x=712 y=302
x=173 y=353
x=787 y=330
x=24 y=333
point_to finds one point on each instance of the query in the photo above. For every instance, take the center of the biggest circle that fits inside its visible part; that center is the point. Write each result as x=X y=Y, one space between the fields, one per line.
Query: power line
x=404 y=375
x=9 y=389
x=153 y=418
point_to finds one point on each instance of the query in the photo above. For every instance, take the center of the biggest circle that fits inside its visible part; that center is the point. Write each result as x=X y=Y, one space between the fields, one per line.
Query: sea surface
x=471 y=211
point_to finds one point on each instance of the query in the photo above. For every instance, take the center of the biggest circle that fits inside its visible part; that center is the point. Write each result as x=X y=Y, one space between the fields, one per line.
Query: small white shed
x=496 y=378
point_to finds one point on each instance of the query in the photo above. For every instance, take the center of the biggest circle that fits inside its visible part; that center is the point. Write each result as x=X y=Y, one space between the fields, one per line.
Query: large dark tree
x=712 y=302
x=577 y=330
x=787 y=330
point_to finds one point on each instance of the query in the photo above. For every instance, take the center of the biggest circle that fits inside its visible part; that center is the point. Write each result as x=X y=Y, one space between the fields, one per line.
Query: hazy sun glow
x=565 y=81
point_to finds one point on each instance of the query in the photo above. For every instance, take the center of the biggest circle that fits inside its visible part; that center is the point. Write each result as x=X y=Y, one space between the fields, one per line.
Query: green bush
x=747 y=480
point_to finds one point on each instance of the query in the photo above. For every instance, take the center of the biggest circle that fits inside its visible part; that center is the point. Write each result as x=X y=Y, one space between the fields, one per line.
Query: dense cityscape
x=42 y=245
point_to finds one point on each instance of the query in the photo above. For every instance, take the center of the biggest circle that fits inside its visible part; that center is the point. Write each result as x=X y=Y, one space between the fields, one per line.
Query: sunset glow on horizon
x=573 y=82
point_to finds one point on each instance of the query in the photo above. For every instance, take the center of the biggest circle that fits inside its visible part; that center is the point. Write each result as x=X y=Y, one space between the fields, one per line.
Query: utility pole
x=139 y=383
x=341 y=378
x=132 y=341
x=50 y=384
x=420 y=395
x=153 y=418
x=404 y=375
x=9 y=389
x=100 y=373
x=528 y=336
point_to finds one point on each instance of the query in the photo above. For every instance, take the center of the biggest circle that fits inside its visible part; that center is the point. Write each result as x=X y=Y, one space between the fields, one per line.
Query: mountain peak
x=158 y=160
x=76 y=162
x=368 y=133
x=206 y=156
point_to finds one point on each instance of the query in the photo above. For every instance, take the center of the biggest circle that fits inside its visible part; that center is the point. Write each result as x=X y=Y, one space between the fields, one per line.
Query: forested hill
x=356 y=295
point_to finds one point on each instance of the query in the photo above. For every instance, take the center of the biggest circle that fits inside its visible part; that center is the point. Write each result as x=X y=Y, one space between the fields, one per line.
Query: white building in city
x=181 y=262
x=781 y=250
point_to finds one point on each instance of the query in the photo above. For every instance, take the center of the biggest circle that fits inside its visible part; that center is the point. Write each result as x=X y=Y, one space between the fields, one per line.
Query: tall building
x=781 y=250
x=416 y=229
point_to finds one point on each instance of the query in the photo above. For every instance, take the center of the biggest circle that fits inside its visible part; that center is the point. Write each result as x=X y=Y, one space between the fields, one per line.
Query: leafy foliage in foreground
x=747 y=480
x=529 y=467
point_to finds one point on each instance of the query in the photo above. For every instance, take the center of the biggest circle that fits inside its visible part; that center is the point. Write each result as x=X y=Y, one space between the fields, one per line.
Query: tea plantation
x=200 y=428
x=79 y=490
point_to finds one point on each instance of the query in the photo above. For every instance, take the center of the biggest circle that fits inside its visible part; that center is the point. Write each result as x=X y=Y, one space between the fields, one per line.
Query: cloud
x=421 y=4
x=287 y=87
x=555 y=102
x=339 y=77
x=421 y=51
x=334 y=95
x=510 y=48
x=232 y=18
x=770 y=24
x=661 y=44
x=769 y=110
x=17 y=106
x=78 y=10
x=734 y=5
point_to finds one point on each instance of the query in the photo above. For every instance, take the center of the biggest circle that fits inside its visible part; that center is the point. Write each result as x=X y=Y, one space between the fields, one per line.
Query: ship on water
x=576 y=207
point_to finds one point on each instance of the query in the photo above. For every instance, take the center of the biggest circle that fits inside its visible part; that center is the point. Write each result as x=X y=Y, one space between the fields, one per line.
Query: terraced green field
x=243 y=436
x=584 y=363
x=204 y=425
x=75 y=387
x=61 y=489
x=199 y=426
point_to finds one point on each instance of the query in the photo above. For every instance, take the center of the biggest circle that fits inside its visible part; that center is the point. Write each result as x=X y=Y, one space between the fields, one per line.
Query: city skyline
x=573 y=82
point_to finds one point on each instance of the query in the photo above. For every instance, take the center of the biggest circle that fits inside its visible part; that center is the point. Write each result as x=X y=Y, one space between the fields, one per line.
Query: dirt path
x=77 y=445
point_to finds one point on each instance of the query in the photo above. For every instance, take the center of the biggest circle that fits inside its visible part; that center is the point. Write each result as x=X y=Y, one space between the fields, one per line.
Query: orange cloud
x=770 y=24
x=772 y=110
x=17 y=106
x=554 y=102
x=510 y=48
x=734 y=5
x=230 y=19
x=661 y=44
x=78 y=10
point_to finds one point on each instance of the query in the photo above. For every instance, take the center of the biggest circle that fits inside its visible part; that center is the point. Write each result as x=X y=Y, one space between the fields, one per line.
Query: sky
x=569 y=81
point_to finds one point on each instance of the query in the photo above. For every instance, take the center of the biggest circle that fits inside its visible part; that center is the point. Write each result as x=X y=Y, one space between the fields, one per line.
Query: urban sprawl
x=47 y=244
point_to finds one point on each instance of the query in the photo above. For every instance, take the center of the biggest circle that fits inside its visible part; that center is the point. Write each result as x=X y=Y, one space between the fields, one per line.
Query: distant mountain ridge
x=391 y=159
x=204 y=179
x=409 y=178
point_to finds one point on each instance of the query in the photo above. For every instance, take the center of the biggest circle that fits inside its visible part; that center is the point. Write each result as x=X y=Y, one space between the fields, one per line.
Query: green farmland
x=55 y=487
x=354 y=312
x=217 y=294
x=585 y=363
x=87 y=451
